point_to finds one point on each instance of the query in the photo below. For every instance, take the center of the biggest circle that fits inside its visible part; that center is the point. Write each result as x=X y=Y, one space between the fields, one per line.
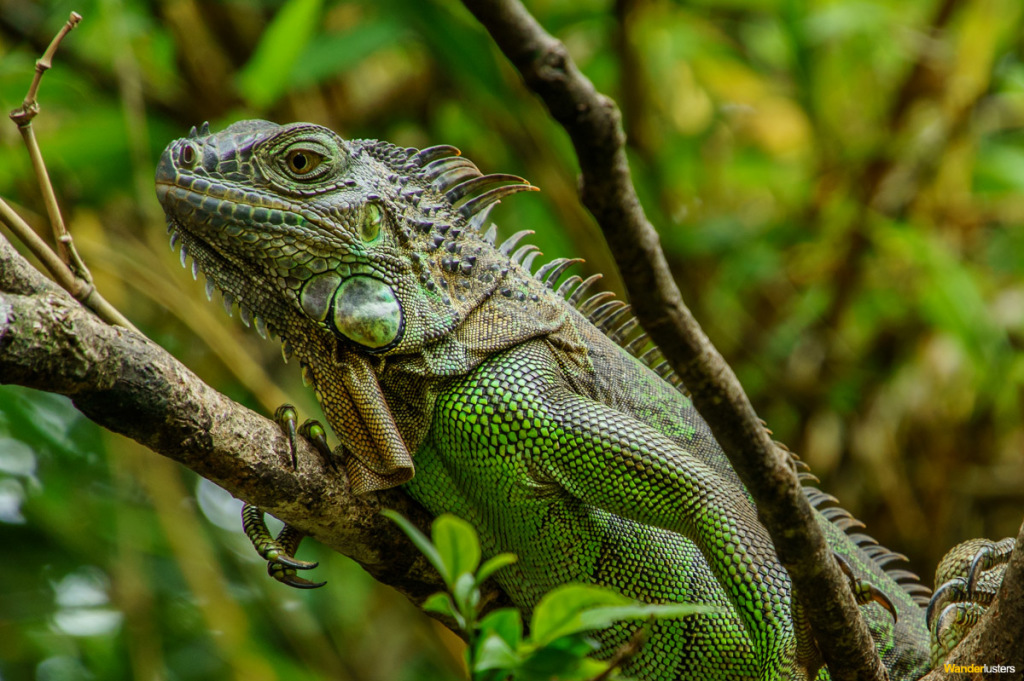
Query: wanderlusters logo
x=979 y=669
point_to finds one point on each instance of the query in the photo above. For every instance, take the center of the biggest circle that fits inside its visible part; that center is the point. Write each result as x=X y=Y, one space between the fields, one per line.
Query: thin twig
x=67 y=268
x=30 y=107
x=594 y=125
x=81 y=290
x=22 y=117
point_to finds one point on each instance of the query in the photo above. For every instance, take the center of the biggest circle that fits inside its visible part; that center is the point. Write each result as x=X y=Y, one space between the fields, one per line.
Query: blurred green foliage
x=559 y=640
x=839 y=185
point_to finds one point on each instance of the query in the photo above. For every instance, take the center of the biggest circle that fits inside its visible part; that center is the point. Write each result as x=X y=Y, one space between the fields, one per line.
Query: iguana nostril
x=188 y=155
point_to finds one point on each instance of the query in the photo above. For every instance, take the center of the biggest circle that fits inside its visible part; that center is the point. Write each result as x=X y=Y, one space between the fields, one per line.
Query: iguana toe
x=863 y=591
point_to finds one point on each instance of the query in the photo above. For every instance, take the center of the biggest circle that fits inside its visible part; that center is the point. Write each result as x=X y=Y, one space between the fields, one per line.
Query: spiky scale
x=551 y=272
x=637 y=343
x=455 y=175
x=477 y=220
x=477 y=185
x=577 y=295
x=522 y=252
x=609 y=314
x=566 y=287
x=650 y=355
x=588 y=306
x=245 y=314
x=862 y=539
x=528 y=260
x=835 y=512
x=425 y=156
x=620 y=334
x=846 y=523
x=484 y=201
x=884 y=559
x=510 y=243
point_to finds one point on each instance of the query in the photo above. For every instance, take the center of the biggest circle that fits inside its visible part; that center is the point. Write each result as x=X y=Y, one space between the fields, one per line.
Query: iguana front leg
x=617 y=463
x=279 y=551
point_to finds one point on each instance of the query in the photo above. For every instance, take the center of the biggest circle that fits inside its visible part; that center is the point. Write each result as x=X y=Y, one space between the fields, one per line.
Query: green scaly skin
x=434 y=352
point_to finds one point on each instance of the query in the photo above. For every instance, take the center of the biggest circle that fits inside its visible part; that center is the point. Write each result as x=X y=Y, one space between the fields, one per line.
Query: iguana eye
x=369 y=229
x=303 y=161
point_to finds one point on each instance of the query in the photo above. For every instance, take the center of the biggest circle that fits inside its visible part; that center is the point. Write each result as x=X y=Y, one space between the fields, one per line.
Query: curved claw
x=288 y=539
x=314 y=432
x=955 y=589
x=845 y=567
x=864 y=592
x=286 y=575
x=982 y=561
x=293 y=563
x=271 y=549
x=287 y=418
x=875 y=594
x=955 y=620
x=988 y=556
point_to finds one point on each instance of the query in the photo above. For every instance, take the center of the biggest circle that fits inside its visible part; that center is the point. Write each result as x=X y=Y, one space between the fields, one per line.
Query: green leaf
x=467 y=596
x=565 y=659
x=421 y=542
x=559 y=611
x=575 y=608
x=266 y=75
x=494 y=652
x=506 y=623
x=457 y=545
x=442 y=604
x=493 y=564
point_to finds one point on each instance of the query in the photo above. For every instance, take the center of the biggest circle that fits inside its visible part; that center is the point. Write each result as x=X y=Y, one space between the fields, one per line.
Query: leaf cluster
x=557 y=644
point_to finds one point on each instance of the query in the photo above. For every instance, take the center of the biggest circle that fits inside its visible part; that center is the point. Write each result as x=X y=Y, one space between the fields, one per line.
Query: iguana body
x=433 y=351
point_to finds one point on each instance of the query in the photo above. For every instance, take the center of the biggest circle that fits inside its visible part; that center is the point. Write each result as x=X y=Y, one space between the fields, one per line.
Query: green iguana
x=446 y=364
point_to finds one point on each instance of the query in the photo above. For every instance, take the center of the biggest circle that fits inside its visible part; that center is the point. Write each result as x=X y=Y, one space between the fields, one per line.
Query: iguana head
x=351 y=251
x=359 y=238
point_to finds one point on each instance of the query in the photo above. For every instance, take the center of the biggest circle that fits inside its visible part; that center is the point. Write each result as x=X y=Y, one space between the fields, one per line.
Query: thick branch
x=131 y=386
x=594 y=125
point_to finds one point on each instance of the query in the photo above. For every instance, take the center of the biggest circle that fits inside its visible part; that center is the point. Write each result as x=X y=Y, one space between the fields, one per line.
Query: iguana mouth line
x=231 y=205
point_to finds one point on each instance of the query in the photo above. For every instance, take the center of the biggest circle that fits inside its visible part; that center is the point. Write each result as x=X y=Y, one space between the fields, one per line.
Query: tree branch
x=594 y=124
x=131 y=386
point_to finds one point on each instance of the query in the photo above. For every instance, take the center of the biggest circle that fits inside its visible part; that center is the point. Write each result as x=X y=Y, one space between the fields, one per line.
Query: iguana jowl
x=505 y=397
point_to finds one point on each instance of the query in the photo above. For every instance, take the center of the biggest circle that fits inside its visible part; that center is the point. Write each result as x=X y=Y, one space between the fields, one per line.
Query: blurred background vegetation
x=839 y=185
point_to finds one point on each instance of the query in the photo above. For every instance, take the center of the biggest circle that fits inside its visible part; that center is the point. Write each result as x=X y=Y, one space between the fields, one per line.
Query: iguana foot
x=279 y=551
x=967 y=578
x=864 y=592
